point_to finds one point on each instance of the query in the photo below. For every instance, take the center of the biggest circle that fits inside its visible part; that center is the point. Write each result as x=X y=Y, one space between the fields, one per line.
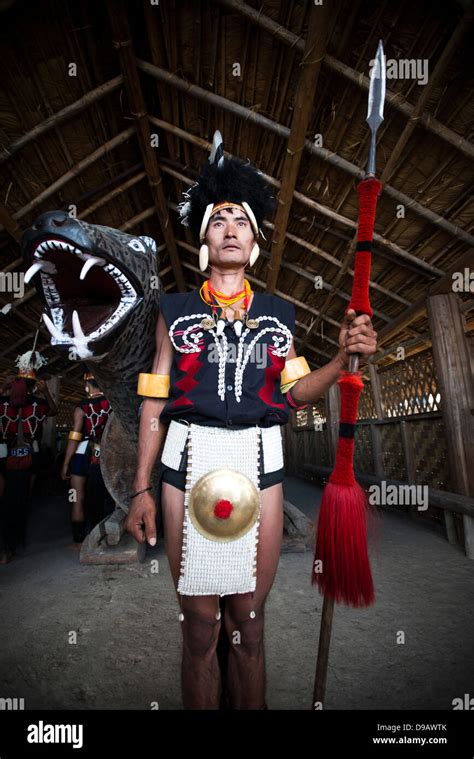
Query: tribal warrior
x=224 y=376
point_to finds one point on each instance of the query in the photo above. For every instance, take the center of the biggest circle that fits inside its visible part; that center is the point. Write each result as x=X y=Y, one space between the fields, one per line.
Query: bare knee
x=200 y=633
x=245 y=631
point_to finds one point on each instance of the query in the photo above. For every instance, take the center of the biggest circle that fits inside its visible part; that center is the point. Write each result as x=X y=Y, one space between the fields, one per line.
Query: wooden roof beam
x=168 y=106
x=63 y=115
x=325 y=155
x=408 y=316
x=428 y=90
x=123 y=43
x=315 y=48
x=356 y=77
x=10 y=224
x=74 y=171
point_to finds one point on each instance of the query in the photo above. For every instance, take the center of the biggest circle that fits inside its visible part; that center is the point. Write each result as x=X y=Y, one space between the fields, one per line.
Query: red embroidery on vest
x=32 y=415
x=272 y=372
x=96 y=413
x=189 y=364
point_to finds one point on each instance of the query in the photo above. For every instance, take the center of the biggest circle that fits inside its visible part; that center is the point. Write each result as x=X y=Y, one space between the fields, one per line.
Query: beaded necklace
x=216 y=299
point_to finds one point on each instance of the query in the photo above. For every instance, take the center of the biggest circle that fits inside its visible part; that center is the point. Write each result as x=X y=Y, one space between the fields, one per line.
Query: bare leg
x=200 y=676
x=78 y=483
x=244 y=614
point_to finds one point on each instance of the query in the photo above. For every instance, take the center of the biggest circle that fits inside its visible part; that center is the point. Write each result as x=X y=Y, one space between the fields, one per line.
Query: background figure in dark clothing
x=92 y=501
x=22 y=414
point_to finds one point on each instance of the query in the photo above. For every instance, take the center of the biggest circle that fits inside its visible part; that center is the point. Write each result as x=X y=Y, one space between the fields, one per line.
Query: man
x=82 y=460
x=215 y=389
x=22 y=414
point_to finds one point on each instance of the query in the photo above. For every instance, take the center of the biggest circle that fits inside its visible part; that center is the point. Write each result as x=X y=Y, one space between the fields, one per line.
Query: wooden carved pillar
x=453 y=367
x=375 y=428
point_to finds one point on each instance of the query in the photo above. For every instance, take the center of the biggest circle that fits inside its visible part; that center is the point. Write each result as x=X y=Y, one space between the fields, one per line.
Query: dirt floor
x=127 y=653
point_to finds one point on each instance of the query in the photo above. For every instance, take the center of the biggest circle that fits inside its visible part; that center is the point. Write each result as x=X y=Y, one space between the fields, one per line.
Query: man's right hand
x=140 y=521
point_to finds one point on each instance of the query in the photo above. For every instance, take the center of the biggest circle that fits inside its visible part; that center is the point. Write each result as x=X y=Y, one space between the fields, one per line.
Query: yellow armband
x=294 y=370
x=154 y=385
x=73 y=435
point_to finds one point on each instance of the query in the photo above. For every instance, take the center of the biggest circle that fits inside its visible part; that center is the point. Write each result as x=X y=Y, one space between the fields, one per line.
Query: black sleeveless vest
x=227 y=381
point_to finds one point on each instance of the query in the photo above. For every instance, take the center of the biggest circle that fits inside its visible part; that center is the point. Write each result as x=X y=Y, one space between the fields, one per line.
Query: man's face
x=230 y=238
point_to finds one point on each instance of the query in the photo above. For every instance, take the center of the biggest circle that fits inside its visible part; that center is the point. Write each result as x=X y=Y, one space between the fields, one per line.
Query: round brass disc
x=234 y=487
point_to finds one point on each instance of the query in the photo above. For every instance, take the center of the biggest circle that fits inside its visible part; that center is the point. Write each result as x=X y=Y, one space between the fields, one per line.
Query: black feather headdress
x=226 y=180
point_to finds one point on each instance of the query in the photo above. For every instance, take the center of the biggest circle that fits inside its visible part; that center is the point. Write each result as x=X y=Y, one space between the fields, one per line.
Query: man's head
x=92 y=388
x=225 y=209
x=230 y=238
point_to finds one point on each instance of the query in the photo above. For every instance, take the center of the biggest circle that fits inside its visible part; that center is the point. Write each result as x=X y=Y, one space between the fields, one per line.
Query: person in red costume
x=82 y=460
x=22 y=414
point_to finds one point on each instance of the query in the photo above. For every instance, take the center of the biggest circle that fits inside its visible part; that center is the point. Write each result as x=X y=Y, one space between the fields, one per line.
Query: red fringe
x=341 y=543
x=341 y=546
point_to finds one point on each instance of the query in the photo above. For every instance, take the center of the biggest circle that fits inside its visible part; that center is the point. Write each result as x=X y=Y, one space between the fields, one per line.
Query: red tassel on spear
x=341 y=562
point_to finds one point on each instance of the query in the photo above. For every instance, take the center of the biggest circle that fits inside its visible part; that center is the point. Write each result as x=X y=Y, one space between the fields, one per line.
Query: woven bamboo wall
x=409 y=393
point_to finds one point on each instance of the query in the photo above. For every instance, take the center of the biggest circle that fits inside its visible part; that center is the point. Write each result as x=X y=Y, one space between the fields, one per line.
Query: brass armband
x=153 y=385
x=75 y=435
x=294 y=370
x=284 y=388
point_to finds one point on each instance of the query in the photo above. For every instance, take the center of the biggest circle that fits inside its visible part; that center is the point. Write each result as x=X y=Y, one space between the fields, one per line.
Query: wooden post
x=374 y=428
x=409 y=455
x=123 y=43
x=315 y=47
x=452 y=362
x=319 y=691
x=376 y=391
x=49 y=428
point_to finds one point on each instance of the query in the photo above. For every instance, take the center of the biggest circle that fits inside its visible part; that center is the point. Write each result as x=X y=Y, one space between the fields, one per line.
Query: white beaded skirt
x=210 y=567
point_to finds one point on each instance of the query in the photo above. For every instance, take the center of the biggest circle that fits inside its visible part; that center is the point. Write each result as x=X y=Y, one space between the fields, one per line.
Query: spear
x=341 y=563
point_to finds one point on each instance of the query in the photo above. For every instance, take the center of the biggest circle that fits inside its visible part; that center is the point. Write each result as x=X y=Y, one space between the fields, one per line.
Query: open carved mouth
x=86 y=295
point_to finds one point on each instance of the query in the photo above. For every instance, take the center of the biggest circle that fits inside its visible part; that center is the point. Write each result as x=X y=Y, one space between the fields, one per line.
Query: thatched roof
x=81 y=137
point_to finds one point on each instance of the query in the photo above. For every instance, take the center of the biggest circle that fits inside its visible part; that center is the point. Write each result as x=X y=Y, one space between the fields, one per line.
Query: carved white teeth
x=34 y=268
x=52 y=245
x=92 y=261
x=52 y=329
x=76 y=327
x=55 y=325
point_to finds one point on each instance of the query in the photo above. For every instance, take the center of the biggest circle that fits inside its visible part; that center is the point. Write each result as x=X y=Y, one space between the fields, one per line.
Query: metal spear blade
x=377 y=90
x=376 y=103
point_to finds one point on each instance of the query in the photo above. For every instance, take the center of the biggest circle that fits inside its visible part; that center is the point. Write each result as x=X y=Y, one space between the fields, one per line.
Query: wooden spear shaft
x=374 y=119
